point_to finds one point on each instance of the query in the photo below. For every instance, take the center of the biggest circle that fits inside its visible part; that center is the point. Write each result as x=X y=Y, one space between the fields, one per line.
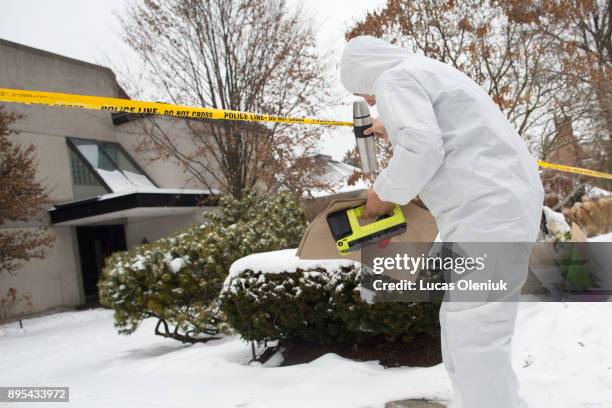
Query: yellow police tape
x=165 y=109
x=575 y=170
x=150 y=108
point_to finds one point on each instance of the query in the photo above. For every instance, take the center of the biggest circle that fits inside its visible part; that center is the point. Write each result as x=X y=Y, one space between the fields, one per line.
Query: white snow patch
x=115 y=179
x=360 y=185
x=571 y=366
x=139 y=264
x=177 y=264
x=555 y=221
x=153 y=190
x=284 y=260
x=336 y=175
x=596 y=192
x=138 y=180
x=276 y=360
x=602 y=238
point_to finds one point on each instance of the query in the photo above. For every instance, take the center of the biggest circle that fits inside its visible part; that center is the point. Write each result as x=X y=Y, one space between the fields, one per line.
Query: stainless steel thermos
x=366 y=144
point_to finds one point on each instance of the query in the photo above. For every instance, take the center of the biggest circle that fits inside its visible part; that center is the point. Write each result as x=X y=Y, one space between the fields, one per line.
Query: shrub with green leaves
x=257 y=223
x=285 y=306
x=320 y=305
x=178 y=279
x=396 y=321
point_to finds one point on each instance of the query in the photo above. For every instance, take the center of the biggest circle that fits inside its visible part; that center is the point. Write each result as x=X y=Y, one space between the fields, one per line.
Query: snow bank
x=568 y=367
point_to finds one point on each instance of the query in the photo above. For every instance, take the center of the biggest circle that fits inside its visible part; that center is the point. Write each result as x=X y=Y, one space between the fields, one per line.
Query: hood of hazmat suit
x=451 y=145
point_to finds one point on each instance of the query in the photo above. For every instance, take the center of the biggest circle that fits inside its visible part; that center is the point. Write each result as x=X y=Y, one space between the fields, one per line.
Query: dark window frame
x=100 y=143
x=78 y=170
x=86 y=162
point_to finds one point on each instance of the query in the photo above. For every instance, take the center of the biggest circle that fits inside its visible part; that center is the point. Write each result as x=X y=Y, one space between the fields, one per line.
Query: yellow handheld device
x=350 y=235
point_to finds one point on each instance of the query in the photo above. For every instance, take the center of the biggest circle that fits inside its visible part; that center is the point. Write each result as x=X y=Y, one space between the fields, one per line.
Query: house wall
x=33 y=69
x=165 y=173
x=51 y=282
x=158 y=227
x=53 y=164
x=39 y=70
x=56 y=281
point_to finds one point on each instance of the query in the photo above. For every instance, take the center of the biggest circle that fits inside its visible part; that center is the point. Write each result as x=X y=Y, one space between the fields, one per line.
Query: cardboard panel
x=318 y=243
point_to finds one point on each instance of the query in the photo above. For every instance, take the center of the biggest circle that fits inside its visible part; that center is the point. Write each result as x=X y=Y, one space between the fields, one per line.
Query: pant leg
x=447 y=360
x=476 y=344
x=477 y=354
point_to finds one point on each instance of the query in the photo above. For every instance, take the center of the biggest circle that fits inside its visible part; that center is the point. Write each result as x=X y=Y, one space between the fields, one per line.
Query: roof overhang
x=135 y=204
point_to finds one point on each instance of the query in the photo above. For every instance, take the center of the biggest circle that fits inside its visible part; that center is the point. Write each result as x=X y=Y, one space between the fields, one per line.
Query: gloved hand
x=375 y=207
x=378 y=129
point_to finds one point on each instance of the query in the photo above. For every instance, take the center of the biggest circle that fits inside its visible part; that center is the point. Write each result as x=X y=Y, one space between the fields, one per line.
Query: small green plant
x=175 y=280
x=572 y=261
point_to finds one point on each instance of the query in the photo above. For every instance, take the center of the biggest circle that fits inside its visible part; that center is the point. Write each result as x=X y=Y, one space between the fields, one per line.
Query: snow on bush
x=178 y=279
x=557 y=226
x=283 y=261
x=275 y=296
x=175 y=279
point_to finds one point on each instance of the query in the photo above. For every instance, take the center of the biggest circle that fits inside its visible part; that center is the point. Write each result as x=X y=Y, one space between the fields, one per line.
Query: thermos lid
x=360 y=109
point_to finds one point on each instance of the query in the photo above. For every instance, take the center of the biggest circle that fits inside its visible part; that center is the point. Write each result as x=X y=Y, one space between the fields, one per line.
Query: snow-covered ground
x=562 y=355
x=602 y=238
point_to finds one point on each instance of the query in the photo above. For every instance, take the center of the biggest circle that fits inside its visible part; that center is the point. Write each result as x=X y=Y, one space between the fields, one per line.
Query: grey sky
x=89 y=31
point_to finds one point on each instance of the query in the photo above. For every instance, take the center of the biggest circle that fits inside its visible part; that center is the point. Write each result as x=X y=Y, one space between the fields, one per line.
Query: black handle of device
x=360 y=129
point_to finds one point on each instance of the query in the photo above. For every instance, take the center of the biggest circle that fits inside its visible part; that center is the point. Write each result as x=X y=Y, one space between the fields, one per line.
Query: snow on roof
x=155 y=190
x=360 y=185
x=151 y=190
x=336 y=174
x=596 y=192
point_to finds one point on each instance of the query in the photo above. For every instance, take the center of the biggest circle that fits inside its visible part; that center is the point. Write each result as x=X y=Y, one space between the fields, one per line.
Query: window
x=127 y=166
x=103 y=164
x=84 y=183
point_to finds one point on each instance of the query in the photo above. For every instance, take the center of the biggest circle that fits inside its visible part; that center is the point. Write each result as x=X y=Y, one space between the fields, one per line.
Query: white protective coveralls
x=454 y=148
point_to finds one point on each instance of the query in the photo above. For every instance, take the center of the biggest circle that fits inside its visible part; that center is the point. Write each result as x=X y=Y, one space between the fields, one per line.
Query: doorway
x=95 y=244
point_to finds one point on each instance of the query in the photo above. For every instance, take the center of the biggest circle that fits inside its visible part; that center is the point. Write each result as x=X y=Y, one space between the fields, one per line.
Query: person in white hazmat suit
x=454 y=148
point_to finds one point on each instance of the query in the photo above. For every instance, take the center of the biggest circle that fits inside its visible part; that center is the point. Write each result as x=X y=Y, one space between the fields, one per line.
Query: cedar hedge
x=318 y=306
